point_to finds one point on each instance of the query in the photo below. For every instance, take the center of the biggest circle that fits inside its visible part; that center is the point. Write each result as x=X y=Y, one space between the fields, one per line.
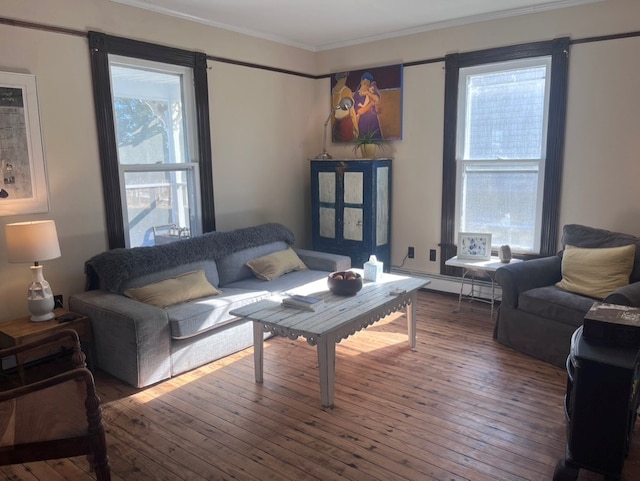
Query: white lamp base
x=40 y=298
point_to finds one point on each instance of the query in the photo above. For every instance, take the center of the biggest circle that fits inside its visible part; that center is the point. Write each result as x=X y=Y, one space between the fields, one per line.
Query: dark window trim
x=100 y=46
x=558 y=49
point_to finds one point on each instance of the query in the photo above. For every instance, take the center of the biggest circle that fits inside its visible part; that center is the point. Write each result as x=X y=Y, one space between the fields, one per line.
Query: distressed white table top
x=375 y=299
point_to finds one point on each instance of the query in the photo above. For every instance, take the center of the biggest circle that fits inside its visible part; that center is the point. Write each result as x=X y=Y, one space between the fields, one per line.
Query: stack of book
x=307 y=303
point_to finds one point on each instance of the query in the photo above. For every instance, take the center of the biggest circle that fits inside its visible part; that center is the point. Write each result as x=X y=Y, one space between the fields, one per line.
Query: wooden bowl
x=344 y=283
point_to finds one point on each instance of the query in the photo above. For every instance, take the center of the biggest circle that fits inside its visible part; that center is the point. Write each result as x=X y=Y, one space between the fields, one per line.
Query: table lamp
x=345 y=104
x=33 y=242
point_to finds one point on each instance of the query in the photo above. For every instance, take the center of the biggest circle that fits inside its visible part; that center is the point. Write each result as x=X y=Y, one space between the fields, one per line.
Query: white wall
x=266 y=124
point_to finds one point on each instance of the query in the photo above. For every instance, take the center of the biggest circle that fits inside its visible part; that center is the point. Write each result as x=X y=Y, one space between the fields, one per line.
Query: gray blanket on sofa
x=110 y=269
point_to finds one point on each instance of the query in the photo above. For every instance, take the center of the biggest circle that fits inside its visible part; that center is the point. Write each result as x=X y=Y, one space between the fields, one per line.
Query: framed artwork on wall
x=377 y=103
x=23 y=181
x=476 y=246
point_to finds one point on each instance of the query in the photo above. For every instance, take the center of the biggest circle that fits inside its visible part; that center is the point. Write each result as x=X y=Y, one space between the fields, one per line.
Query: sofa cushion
x=185 y=287
x=551 y=302
x=585 y=236
x=284 y=283
x=233 y=266
x=209 y=267
x=596 y=272
x=274 y=265
x=194 y=317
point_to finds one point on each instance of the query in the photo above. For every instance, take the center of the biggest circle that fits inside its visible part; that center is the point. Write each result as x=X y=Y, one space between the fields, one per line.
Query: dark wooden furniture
x=600 y=404
x=351 y=208
x=22 y=330
x=51 y=410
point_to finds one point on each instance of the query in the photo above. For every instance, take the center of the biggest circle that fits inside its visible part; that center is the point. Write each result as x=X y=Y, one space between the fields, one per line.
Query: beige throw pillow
x=274 y=265
x=596 y=272
x=185 y=287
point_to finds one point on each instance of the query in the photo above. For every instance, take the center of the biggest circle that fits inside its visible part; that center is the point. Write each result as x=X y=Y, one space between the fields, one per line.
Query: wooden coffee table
x=336 y=319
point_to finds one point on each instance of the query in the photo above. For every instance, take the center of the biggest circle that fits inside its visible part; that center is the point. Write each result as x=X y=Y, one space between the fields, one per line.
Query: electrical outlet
x=410 y=253
x=58 y=302
x=432 y=255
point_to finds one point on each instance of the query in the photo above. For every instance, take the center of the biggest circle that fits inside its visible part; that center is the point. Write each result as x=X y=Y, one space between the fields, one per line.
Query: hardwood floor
x=458 y=407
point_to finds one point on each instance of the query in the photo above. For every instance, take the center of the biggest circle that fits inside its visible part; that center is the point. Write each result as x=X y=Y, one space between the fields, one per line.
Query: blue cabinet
x=351 y=208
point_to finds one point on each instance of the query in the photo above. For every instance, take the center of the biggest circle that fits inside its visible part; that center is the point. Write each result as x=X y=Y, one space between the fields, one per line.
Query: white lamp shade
x=32 y=241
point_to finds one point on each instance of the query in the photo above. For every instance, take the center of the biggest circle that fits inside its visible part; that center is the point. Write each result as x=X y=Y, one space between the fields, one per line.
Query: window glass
x=158 y=203
x=501 y=200
x=505 y=114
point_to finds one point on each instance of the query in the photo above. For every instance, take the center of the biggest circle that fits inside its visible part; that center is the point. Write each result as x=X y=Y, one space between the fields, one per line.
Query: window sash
x=515 y=67
x=178 y=198
x=490 y=208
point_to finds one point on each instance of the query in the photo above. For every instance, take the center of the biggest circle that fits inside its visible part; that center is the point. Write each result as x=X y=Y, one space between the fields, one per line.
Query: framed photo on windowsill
x=473 y=245
x=23 y=183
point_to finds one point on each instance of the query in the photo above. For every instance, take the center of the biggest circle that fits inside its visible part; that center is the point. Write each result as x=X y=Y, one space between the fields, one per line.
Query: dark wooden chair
x=50 y=410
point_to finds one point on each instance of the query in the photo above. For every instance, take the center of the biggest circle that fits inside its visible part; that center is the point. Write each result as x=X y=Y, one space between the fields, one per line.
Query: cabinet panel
x=382 y=208
x=353 y=188
x=327 y=223
x=352 y=224
x=351 y=206
x=327 y=187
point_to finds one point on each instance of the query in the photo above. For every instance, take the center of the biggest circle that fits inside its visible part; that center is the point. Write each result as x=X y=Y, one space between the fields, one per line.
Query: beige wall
x=266 y=124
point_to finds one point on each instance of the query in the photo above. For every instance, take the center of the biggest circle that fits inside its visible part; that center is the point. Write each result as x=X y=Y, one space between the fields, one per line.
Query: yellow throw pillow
x=274 y=265
x=596 y=272
x=187 y=286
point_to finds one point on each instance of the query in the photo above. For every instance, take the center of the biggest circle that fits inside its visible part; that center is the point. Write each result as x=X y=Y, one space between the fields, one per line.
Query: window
x=152 y=109
x=500 y=151
x=504 y=130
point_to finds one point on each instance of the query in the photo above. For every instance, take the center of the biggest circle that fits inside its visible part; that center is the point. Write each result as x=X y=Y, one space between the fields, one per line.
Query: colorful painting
x=474 y=246
x=23 y=188
x=377 y=104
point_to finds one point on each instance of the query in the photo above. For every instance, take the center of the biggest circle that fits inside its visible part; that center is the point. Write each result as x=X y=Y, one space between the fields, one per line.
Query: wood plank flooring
x=459 y=407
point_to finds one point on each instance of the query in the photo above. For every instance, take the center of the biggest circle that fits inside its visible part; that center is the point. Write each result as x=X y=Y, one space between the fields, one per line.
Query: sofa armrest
x=522 y=276
x=132 y=339
x=628 y=295
x=324 y=261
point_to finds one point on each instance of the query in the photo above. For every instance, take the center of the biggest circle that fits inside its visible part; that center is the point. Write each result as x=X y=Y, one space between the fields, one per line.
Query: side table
x=469 y=268
x=19 y=331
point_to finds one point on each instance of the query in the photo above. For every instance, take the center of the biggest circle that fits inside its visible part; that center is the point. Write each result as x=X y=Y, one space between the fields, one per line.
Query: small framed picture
x=473 y=245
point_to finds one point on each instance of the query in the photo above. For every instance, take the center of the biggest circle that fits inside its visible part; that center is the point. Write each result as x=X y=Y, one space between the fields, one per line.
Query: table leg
x=258 y=350
x=327 y=368
x=411 y=320
x=464 y=274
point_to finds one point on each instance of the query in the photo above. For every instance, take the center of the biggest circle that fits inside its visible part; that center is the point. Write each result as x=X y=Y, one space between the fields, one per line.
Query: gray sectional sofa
x=143 y=344
x=536 y=316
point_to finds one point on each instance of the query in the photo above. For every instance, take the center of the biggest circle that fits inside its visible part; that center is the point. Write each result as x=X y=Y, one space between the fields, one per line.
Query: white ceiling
x=323 y=24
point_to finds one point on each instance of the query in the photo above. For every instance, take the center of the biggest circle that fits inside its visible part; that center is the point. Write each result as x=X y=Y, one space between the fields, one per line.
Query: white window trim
x=462 y=129
x=191 y=166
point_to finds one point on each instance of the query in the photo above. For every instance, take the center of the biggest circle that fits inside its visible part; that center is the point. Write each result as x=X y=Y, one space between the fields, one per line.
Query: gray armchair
x=536 y=317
